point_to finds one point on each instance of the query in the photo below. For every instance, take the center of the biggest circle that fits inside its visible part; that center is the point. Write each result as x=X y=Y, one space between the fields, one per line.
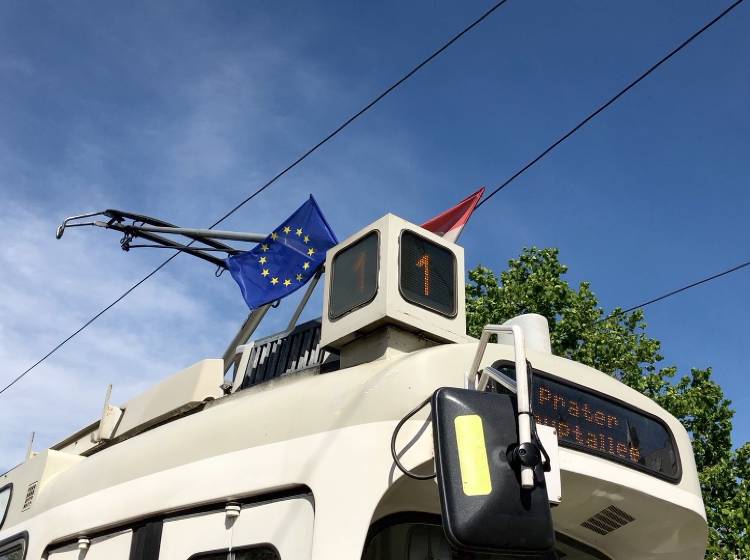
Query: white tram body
x=298 y=466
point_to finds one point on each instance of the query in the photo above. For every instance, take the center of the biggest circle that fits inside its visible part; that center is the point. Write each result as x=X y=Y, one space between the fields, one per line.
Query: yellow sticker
x=472 y=455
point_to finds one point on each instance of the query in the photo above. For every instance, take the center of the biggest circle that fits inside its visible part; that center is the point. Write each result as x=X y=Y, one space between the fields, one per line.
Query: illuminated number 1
x=424 y=263
x=359 y=268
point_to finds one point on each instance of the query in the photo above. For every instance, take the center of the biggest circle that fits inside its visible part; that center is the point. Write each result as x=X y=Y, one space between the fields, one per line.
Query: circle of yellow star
x=274 y=236
x=310 y=251
x=287 y=282
x=264 y=247
x=287 y=229
x=298 y=232
x=265 y=272
x=263 y=260
x=274 y=281
x=299 y=278
x=306 y=239
x=306 y=265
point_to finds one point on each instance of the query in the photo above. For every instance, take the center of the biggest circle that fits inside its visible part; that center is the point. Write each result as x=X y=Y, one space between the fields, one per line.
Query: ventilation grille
x=607 y=520
x=287 y=352
x=30 y=491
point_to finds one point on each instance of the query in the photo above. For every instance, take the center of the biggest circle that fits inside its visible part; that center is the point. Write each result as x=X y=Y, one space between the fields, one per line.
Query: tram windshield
x=601 y=425
x=424 y=539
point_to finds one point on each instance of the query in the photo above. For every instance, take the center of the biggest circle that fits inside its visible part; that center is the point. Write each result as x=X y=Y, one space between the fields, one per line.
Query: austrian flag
x=450 y=223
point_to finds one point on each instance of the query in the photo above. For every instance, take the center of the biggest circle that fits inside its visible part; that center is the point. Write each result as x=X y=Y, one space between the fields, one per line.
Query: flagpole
x=305 y=299
x=246 y=331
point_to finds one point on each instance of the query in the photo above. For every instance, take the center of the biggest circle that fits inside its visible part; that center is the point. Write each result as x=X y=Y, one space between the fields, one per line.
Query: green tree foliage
x=617 y=344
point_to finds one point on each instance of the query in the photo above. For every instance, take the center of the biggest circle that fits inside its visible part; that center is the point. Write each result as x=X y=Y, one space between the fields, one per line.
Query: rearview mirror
x=484 y=507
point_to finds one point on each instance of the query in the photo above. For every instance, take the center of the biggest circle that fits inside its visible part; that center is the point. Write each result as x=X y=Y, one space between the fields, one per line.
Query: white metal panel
x=30 y=479
x=108 y=547
x=286 y=524
x=332 y=432
x=185 y=388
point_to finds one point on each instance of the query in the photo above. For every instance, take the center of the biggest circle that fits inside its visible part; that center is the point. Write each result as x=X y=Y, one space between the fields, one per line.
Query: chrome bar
x=207 y=233
x=491 y=373
x=522 y=384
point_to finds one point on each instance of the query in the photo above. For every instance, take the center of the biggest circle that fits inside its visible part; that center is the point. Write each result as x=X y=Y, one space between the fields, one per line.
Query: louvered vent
x=607 y=520
x=30 y=492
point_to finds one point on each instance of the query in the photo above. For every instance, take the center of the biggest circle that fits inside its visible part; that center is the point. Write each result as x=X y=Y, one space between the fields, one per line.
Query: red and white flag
x=450 y=223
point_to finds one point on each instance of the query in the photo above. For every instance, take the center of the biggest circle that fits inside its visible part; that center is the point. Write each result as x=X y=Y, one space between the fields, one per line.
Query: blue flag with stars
x=286 y=259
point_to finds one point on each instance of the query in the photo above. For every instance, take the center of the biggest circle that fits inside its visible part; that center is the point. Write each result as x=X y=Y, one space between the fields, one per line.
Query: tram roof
x=297 y=405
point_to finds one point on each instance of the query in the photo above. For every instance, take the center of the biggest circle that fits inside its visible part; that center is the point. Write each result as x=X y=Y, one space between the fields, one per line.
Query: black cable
x=608 y=103
x=547 y=467
x=547 y=464
x=396 y=461
x=675 y=292
x=366 y=108
x=87 y=323
x=275 y=178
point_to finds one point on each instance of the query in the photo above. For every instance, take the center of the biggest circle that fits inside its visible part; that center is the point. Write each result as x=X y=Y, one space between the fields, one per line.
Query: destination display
x=597 y=425
x=427 y=274
x=354 y=276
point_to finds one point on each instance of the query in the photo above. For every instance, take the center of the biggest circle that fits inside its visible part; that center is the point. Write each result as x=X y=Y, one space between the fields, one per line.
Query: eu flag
x=286 y=259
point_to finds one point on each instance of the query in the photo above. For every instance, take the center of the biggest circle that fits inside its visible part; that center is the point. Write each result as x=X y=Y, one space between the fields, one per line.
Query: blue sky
x=180 y=110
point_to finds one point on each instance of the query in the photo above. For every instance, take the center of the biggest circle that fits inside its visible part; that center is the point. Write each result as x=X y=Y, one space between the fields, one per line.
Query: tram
x=380 y=431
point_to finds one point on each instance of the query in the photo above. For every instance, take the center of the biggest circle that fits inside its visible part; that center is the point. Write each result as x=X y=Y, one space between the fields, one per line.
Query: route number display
x=427 y=274
x=354 y=276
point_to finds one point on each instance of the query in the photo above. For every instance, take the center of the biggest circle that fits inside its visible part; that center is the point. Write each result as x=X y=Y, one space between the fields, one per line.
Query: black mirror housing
x=484 y=507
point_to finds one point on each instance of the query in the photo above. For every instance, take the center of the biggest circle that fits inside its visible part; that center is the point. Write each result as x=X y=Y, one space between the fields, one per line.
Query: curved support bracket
x=67 y=222
x=522 y=384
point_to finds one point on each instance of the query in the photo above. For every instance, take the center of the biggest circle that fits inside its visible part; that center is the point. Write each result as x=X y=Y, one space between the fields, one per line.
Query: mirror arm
x=522 y=385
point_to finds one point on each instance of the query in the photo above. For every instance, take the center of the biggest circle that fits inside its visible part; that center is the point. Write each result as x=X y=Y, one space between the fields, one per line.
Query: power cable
x=87 y=323
x=270 y=182
x=675 y=292
x=604 y=106
x=366 y=108
x=394 y=436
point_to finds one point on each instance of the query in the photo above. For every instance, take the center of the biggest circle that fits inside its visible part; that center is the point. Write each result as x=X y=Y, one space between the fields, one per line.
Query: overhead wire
x=271 y=181
x=87 y=323
x=608 y=103
x=394 y=437
x=674 y=292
